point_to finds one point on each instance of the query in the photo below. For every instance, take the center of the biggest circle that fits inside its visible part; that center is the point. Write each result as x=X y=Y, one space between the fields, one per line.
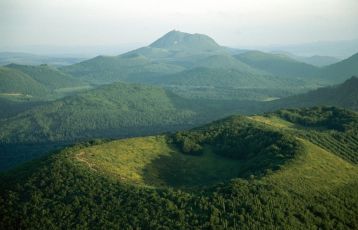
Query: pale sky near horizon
x=230 y=22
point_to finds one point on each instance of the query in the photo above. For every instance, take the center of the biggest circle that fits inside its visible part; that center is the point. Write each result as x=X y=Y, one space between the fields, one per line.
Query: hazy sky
x=120 y=22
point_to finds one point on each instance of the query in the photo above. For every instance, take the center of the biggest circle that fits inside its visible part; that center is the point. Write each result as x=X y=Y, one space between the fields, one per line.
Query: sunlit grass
x=151 y=161
x=315 y=170
x=272 y=121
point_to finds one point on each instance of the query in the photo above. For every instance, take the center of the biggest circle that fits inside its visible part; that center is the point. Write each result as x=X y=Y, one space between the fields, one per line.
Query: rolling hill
x=17 y=83
x=130 y=68
x=48 y=76
x=256 y=172
x=278 y=64
x=221 y=77
x=341 y=71
x=317 y=60
x=343 y=95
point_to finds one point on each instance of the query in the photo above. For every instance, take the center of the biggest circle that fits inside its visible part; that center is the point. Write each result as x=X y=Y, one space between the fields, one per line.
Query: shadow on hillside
x=181 y=170
x=12 y=155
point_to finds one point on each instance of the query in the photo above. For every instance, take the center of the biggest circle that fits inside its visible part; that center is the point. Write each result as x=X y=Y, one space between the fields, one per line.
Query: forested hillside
x=341 y=71
x=124 y=109
x=343 y=95
x=116 y=110
x=221 y=78
x=207 y=178
x=108 y=109
x=130 y=68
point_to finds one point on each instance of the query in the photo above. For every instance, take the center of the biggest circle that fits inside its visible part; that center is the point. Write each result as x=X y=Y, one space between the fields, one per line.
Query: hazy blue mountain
x=340 y=49
x=317 y=60
x=181 y=48
x=195 y=59
x=172 y=53
x=180 y=41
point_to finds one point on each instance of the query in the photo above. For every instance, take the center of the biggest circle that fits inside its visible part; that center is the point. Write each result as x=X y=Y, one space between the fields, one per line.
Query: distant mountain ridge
x=33 y=59
x=317 y=60
x=178 y=53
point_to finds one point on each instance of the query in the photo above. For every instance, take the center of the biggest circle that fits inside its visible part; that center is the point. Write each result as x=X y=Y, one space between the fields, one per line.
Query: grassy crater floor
x=151 y=161
x=155 y=161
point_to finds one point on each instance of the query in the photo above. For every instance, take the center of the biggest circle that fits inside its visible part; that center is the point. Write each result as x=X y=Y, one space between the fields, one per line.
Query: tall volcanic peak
x=176 y=40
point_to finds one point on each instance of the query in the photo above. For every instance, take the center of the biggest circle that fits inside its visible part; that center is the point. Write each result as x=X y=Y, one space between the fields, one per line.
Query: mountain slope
x=14 y=82
x=113 y=108
x=12 y=105
x=344 y=95
x=226 y=78
x=131 y=68
x=212 y=77
x=223 y=61
x=341 y=71
x=153 y=182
